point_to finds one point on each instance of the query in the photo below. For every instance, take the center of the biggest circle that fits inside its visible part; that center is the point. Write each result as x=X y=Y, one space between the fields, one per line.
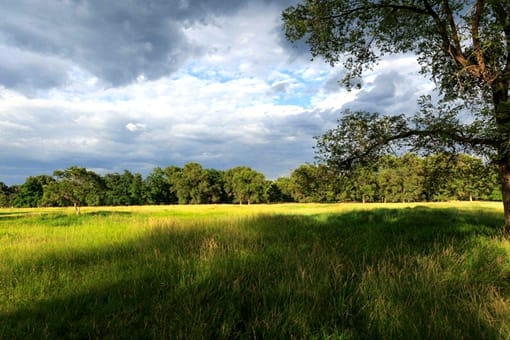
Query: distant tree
x=193 y=185
x=75 y=186
x=389 y=180
x=31 y=192
x=312 y=183
x=123 y=189
x=278 y=191
x=469 y=178
x=412 y=174
x=364 y=183
x=304 y=183
x=244 y=184
x=272 y=192
x=136 y=189
x=284 y=186
x=216 y=192
x=173 y=177
x=5 y=195
x=346 y=191
x=491 y=190
x=157 y=188
x=438 y=170
x=400 y=179
x=464 y=45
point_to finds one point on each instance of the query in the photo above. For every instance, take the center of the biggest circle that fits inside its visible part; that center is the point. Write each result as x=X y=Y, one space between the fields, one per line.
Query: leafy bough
x=363 y=137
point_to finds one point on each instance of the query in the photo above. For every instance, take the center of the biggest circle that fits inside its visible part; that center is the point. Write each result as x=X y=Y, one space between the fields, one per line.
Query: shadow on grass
x=359 y=274
x=16 y=215
x=59 y=219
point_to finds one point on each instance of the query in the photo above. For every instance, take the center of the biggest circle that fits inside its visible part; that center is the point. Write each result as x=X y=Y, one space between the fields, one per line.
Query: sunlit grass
x=272 y=271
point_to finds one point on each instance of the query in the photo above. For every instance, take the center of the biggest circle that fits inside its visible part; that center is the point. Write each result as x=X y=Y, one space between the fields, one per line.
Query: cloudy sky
x=135 y=84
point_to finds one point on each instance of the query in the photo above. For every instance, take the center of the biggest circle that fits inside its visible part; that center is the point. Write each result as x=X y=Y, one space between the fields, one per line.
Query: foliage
x=193 y=185
x=75 y=186
x=157 y=188
x=123 y=189
x=310 y=183
x=463 y=45
x=284 y=190
x=31 y=192
x=401 y=179
x=6 y=195
x=244 y=184
x=216 y=185
x=360 y=138
x=277 y=191
x=408 y=178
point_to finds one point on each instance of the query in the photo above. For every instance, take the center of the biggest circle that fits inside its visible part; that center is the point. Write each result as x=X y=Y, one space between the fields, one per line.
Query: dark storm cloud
x=234 y=100
x=25 y=70
x=297 y=49
x=116 y=41
x=116 y=44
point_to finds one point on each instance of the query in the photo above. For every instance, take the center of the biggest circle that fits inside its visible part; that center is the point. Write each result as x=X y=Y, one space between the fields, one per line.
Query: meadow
x=338 y=271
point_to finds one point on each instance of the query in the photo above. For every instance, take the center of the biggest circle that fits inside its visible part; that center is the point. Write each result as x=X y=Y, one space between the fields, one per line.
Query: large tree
x=193 y=185
x=464 y=45
x=244 y=184
x=31 y=192
x=75 y=186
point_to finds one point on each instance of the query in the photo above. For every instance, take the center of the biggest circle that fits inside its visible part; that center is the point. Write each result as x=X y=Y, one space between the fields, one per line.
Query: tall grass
x=276 y=271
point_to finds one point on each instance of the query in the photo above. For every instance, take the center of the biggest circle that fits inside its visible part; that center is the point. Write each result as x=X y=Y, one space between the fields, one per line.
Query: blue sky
x=139 y=84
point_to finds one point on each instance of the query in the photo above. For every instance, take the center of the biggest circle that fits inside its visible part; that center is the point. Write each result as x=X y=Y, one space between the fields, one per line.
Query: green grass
x=277 y=271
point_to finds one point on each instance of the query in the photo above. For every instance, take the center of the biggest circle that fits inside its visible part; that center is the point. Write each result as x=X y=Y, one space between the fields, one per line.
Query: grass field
x=355 y=271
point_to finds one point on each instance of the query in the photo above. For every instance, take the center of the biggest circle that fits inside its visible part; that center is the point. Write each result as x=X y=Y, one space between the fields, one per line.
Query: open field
x=344 y=271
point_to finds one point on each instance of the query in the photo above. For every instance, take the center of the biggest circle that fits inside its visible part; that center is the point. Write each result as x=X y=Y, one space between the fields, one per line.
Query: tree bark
x=76 y=208
x=500 y=90
x=504 y=173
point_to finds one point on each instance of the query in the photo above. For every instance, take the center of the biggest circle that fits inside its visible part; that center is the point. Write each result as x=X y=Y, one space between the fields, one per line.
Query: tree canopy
x=75 y=186
x=463 y=45
x=406 y=178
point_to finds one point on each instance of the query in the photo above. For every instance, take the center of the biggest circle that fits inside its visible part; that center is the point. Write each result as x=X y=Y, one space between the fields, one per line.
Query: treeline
x=407 y=178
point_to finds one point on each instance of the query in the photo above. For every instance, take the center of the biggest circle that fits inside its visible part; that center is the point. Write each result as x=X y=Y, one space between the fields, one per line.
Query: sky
x=139 y=84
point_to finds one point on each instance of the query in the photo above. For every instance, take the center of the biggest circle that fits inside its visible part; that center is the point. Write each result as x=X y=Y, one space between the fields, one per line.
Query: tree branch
x=455 y=53
x=503 y=15
x=412 y=9
x=456 y=136
x=453 y=26
x=476 y=38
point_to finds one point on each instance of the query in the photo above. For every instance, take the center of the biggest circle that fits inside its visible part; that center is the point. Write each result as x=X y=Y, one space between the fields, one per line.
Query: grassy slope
x=343 y=271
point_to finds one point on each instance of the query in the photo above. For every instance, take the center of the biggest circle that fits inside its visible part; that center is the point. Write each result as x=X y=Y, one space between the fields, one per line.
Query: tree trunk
x=501 y=102
x=76 y=208
x=504 y=173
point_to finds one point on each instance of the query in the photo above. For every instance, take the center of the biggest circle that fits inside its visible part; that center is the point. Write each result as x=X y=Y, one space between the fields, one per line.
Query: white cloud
x=134 y=127
x=234 y=96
